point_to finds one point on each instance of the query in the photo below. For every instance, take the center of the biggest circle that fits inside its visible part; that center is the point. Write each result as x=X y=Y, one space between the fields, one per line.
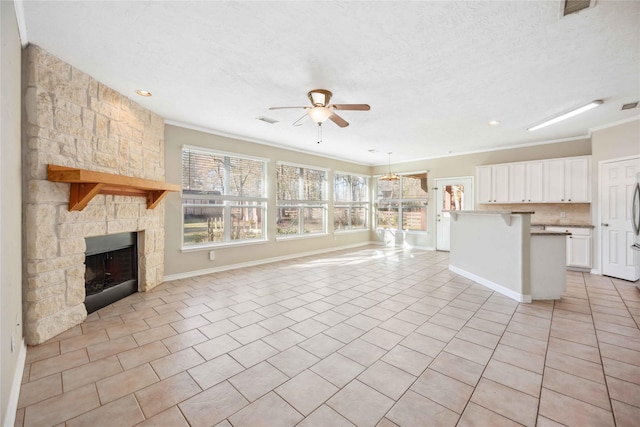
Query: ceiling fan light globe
x=319 y=114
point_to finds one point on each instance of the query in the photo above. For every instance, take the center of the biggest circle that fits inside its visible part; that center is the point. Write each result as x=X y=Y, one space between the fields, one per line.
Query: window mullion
x=227 y=222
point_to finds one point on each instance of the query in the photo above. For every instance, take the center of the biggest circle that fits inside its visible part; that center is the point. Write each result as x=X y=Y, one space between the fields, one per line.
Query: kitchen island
x=498 y=249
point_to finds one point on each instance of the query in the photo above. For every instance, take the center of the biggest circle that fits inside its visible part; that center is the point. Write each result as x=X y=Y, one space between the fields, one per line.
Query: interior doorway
x=451 y=194
x=617 y=182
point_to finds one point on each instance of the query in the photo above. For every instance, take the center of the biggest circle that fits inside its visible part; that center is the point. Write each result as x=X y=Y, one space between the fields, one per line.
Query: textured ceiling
x=434 y=73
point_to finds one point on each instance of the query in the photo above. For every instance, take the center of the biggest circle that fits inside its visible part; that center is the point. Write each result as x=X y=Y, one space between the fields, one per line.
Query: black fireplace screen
x=109 y=269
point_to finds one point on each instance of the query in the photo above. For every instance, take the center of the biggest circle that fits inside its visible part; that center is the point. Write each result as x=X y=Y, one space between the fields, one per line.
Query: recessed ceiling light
x=494 y=123
x=142 y=92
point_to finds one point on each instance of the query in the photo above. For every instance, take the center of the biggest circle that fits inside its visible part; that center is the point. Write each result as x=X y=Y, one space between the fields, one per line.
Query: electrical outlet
x=212 y=255
x=563 y=214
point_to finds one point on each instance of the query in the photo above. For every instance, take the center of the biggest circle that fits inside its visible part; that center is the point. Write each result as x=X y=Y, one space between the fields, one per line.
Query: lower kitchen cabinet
x=578 y=246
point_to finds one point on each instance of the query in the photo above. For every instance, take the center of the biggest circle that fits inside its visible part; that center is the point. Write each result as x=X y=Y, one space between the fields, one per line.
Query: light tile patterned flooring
x=367 y=337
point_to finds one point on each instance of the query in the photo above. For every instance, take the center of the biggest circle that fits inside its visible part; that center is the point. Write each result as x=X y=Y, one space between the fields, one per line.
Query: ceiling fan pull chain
x=319 y=133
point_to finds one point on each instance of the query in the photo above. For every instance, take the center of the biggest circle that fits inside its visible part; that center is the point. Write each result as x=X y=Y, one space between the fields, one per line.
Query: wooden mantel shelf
x=86 y=184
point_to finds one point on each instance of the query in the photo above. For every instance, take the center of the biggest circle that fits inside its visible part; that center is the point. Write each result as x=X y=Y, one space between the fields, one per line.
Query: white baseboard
x=491 y=285
x=202 y=272
x=12 y=406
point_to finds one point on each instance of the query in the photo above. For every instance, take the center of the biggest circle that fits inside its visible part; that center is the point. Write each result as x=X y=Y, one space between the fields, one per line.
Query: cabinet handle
x=604 y=224
x=562 y=200
x=569 y=199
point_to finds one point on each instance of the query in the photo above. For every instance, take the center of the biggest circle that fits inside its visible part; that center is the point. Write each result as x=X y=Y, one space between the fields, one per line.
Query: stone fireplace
x=73 y=120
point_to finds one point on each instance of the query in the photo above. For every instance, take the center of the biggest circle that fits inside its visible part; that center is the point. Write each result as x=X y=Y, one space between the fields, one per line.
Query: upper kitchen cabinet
x=493 y=184
x=567 y=180
x=525 y=182
x=560 y=180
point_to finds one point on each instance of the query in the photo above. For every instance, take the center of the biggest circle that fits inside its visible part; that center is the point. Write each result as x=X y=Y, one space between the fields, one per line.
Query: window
x=223 y=198
x=402 y=204
x=302 y=204
x=351 y=202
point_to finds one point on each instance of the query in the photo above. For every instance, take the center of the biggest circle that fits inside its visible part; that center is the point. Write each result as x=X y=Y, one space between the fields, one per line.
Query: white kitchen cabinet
x=578 y=179
x=554 y=178
x=560 y=180
x=567 y=180
x=485 y=186
x=526 y=182
x=493 y=184
x=534 y=190
x=578 y=245
x=517 y=182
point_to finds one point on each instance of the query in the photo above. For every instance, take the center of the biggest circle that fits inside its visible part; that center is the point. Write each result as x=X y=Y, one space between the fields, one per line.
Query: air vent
x=268 y=120
x=573 y=6
x=629 y=106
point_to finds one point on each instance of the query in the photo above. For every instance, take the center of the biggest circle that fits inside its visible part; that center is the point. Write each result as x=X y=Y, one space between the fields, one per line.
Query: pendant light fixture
x=390 y=176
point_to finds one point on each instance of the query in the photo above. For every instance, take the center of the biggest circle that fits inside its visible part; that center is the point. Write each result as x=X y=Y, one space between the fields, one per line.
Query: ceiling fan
x=320 y=109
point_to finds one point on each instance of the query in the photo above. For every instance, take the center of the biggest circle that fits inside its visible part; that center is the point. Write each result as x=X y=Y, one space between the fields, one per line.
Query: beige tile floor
x=368 y=337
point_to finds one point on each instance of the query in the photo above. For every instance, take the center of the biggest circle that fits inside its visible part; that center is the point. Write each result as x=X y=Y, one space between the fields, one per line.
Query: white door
x=617 y=182
x=451 y=194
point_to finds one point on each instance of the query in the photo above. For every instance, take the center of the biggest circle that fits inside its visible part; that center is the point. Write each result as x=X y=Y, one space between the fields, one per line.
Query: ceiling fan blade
x=360 y=107
x=338 y=120
x=296 y=122
x=282 y=108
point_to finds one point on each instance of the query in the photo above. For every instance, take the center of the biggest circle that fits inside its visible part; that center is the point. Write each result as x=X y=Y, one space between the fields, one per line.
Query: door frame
x=597 y=246
x=470 y=201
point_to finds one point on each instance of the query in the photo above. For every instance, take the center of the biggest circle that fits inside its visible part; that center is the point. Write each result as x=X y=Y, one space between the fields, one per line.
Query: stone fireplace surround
x=70 y=119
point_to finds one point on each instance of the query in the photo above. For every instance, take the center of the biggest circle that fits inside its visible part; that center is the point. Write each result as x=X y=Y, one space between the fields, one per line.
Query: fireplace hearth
x=111 y=269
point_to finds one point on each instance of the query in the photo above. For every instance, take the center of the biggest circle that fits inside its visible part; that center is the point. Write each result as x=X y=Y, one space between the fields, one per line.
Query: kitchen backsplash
x=548 y=213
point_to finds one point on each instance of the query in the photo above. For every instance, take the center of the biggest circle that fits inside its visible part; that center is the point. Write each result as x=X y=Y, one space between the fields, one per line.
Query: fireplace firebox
x=111 y=269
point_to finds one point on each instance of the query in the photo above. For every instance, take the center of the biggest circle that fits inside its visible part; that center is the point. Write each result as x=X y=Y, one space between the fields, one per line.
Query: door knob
x=604 y=224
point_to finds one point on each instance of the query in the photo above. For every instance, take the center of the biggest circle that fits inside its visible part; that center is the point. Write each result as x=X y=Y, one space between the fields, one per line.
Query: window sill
x=402 y=231
x=300 y=236
x=220 y=246
x=359 y=230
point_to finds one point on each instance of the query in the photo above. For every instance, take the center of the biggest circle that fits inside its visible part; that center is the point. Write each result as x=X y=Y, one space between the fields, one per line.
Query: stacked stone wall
x=73 y=120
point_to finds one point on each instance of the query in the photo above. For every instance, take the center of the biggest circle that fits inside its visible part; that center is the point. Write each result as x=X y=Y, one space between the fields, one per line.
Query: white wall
x=11 y=357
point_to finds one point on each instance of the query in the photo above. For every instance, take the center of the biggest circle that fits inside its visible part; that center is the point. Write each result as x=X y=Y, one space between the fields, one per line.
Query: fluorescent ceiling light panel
x=564 y=116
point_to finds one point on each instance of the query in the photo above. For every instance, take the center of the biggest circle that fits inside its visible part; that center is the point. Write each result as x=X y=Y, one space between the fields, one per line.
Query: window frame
x=350 y=205
x=299 y=204
x=400 y=203
x=226 y=202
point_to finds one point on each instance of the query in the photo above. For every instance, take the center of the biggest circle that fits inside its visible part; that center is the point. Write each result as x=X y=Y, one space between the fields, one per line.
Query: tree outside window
x=223 y=198
x=351 y=202
x=302 y=205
